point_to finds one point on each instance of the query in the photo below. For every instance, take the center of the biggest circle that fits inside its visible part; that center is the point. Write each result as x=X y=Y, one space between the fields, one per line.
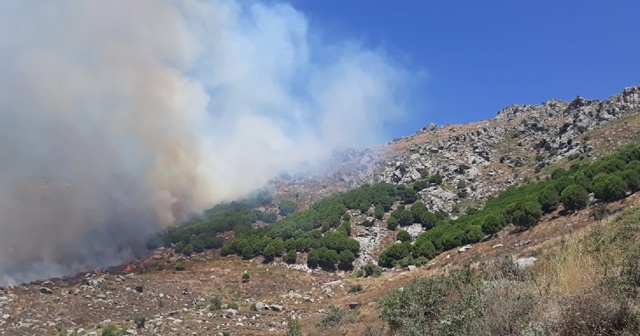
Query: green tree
x=247 y=253
x=269 y=252
x=346 y=258
x=408 y=195
x=609 y=187
x=525 y=214
x=549 y=199
x=178 y=247
x=188 y=250
x=291 y=257
x=493 y=223
x=632 y=178
x=379 y=211
x=574 y=197
x=420 y=185
x=403 y=236
x=435 y=179
x=287 y=207
x=394 y=253
x=405 y=218
x=392 y=223
x=425 y=249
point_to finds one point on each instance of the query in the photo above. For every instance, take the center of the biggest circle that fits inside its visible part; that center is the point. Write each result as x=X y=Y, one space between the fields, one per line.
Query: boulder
x=46 y=290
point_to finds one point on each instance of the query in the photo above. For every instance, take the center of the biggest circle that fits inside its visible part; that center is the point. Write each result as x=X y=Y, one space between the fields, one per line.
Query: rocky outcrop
x=476 y=160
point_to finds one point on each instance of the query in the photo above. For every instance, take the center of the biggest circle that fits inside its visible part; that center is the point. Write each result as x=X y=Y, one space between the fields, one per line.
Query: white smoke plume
x=120 y=117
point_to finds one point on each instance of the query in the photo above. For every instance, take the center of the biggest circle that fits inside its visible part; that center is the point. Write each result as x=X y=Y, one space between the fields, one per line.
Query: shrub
x=370 y=270
x=355 y=288
x=294 y=328
x=403 y=236
x=336 y=317
x=630 y=272
x=179 y=266
x=111 y=330
x=140 y=320
x=419 y=261
x=215 y=304
x=597 y=314
x=245 y=276
x=599 y=212
x=574 y=197
x=414 y=310
x=462 y=194
x=233 y=305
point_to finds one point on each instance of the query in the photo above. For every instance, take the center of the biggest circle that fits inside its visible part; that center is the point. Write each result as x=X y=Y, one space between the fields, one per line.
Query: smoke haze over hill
x=119 y=118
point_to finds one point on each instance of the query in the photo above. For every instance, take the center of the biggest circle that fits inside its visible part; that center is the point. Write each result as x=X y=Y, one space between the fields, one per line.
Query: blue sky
x=480 y=56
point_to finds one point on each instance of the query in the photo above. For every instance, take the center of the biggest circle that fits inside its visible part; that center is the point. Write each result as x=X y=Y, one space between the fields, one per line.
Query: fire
x=127 y=269
x=97 y=272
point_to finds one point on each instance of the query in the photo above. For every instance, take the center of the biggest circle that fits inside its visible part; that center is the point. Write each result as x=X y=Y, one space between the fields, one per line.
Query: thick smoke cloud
x=119 y=118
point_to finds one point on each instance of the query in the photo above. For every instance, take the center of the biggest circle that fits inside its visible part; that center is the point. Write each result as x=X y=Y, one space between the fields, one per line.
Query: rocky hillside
x=206 y=294
x=478 y=160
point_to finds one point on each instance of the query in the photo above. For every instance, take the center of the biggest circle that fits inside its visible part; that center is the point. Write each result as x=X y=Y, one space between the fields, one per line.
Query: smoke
x=118 y=118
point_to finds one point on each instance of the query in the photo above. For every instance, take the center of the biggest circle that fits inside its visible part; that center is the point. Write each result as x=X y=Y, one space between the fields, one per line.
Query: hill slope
x=475 y=161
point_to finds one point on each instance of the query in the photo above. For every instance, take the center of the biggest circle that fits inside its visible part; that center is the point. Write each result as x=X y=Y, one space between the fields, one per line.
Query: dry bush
x=597 y=313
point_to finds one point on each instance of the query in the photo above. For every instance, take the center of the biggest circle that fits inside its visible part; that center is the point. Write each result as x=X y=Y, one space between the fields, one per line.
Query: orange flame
x=97 y=272
x=127 y=269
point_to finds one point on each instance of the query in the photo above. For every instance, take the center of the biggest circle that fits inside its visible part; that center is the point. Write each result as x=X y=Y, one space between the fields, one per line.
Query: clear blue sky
x=483 y=55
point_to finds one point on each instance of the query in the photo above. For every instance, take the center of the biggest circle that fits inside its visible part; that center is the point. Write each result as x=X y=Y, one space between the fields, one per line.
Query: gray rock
x=275 y=307
x=523 y=263
x=46 y=290
x=260 y=306
x=353 y=305
x=464 y=248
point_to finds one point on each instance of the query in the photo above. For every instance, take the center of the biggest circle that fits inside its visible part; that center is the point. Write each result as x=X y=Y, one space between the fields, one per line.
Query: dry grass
x=573 y=270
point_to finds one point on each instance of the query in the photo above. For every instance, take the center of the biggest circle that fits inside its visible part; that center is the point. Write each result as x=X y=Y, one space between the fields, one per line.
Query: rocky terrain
x=483 y=158
x=475 y=160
